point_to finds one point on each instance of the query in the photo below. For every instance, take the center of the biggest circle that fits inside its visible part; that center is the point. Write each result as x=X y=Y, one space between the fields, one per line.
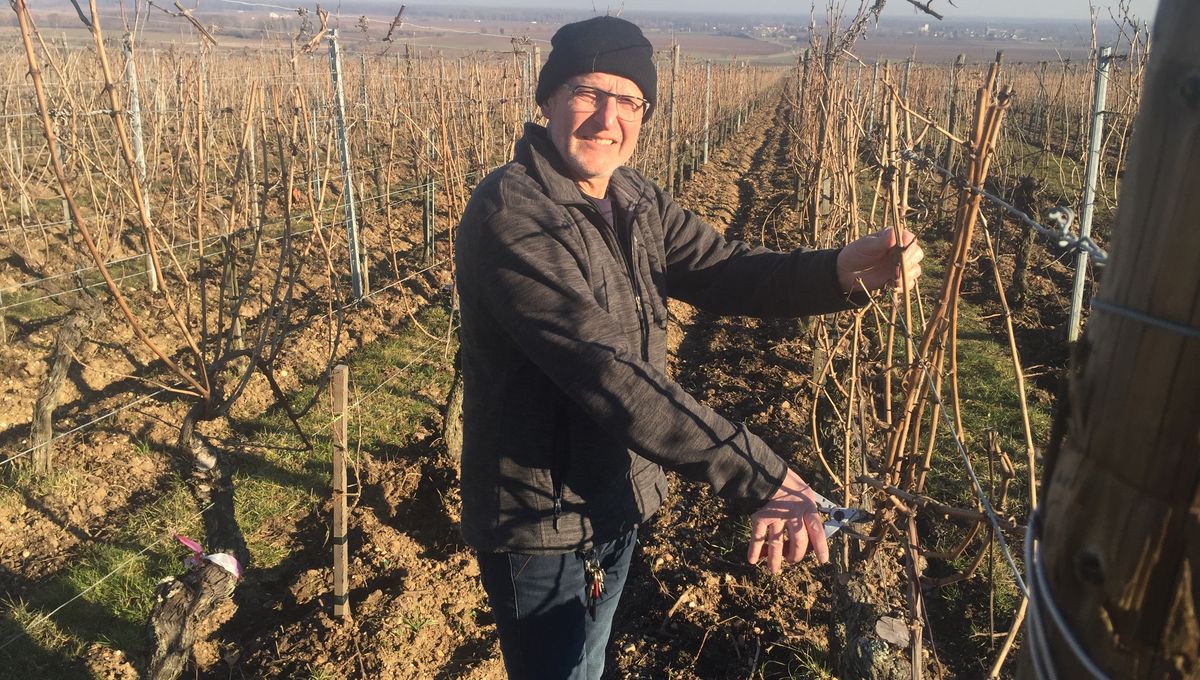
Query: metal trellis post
x=707 y=105
x=737 y=120
x=254 y=186
x=801 y=86
x=335 y=60
x=856 y=100
x=14 y=153
x=531 y=77
x=535 y=72
x=952 y=108
x=139 y=155
x=1089 y=190
x=672 y=144
x=871 y=105
x=429 y=215
x=366 y=131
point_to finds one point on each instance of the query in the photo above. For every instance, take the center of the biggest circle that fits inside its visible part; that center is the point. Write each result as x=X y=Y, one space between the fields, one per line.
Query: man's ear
x=544 y=107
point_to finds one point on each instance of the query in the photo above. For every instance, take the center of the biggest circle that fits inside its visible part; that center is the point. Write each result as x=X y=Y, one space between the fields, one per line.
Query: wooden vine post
x=1120 y=535
x=339 y=386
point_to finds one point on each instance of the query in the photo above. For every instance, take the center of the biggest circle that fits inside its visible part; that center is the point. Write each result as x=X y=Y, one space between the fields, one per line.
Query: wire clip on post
x=1064 y=217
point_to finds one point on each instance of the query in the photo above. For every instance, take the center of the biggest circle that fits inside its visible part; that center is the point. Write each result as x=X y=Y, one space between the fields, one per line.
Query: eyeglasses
x=587 y=99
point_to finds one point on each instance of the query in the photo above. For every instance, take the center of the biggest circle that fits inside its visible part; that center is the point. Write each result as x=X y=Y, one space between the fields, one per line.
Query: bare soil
x=693 y=608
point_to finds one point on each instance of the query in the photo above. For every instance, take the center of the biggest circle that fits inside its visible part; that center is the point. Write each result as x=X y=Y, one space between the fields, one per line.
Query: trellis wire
x=207 y=240
x=1064 y=239
x=43 y=618
x=84 y=426
x=1040 y=597
x=143 y=398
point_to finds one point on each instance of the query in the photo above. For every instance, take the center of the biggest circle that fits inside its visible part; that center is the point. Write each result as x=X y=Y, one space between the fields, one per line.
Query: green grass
x=990 y=403
x=114 y=580
x=414 y=622
x=808 y=662
x=23 y=306
x=282 y=479
x=321 y=672
x=277 y=483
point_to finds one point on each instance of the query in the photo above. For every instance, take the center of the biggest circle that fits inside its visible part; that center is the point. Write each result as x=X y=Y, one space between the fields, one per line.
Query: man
x=565 y=260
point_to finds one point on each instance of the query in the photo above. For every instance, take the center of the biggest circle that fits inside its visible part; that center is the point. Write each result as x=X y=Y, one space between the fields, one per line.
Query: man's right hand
x=788 y=526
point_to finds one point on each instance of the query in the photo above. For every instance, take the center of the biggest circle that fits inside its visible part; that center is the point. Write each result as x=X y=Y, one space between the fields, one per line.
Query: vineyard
x=194 y=237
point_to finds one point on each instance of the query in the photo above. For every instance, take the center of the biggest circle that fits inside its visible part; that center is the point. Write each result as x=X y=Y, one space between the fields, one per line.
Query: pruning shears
x=841 y=518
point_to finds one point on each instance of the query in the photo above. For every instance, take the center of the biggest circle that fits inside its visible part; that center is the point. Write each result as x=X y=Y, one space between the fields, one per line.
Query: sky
x=1009 y=9
x=1016 y=9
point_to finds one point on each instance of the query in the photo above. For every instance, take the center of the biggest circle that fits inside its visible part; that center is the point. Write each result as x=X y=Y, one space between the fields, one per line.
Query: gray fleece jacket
x=569 y=416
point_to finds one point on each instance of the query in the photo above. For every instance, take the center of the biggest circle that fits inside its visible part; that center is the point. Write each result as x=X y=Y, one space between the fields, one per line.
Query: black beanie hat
x=600 y=45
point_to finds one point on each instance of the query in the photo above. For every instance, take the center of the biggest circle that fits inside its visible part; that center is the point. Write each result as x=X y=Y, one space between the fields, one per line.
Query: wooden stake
x=339 y=386
x=1009 y=639
x=1121 y=507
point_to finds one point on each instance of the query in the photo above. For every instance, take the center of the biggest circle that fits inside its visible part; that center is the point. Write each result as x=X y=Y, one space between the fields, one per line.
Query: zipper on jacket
x=643 y=324
x=560 y=457
x=557 y=482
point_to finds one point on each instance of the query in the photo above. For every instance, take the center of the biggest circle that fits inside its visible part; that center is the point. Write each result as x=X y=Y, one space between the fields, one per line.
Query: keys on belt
x=593 y=576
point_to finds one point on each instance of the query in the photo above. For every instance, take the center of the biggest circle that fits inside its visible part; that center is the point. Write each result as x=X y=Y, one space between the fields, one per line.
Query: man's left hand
x=874 y=261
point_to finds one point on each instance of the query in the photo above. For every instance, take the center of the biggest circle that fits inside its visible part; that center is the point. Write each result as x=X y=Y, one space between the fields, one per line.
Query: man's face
x=593 y=144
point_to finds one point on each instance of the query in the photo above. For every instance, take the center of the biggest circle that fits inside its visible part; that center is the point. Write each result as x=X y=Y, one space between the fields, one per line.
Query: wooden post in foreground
x=340 y=388
x=1120 y=534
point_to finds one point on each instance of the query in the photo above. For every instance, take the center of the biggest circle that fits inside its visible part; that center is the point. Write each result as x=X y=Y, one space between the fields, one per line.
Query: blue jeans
x=539 y=601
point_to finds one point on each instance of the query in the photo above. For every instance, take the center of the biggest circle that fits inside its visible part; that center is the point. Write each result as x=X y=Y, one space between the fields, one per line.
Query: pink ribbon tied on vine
x=224 y=560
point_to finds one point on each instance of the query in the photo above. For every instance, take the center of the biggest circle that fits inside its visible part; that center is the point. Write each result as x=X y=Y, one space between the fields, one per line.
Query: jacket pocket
x=600 y=291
